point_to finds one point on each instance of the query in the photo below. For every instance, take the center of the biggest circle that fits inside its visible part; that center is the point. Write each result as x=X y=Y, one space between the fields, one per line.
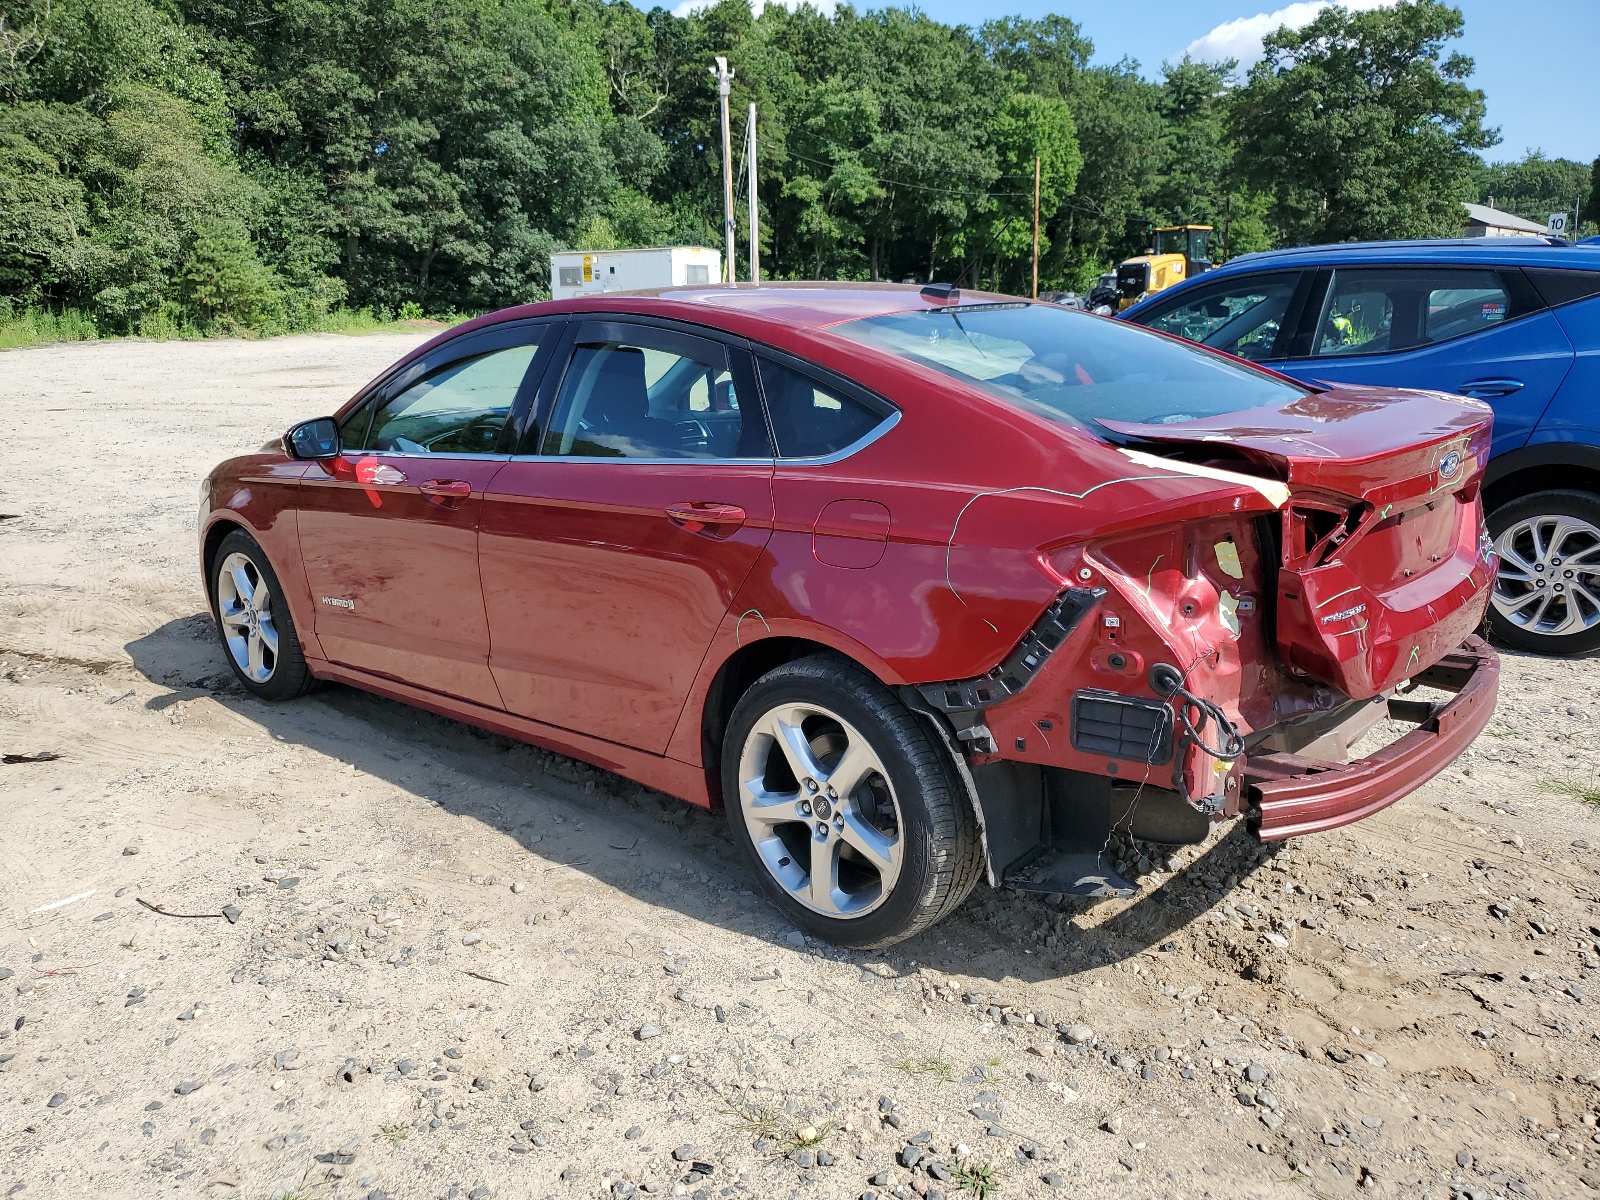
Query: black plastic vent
x=1117 y=726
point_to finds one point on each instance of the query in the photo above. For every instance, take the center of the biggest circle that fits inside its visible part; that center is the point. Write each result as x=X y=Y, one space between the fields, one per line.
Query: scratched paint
x=738 y=629
x=950 y=542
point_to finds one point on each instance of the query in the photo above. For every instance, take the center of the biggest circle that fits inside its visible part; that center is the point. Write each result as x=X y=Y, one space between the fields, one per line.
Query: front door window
x=1244 y=318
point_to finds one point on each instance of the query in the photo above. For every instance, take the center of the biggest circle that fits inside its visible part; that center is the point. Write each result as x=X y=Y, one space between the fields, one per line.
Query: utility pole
x=755 y=223
x=1036 y=227
x=724 y=86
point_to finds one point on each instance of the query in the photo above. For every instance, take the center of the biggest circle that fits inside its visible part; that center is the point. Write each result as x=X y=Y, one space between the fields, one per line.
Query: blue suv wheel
x=1547 y=593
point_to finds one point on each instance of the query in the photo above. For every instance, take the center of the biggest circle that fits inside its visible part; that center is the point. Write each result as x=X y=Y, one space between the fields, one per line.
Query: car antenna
x=944 y=293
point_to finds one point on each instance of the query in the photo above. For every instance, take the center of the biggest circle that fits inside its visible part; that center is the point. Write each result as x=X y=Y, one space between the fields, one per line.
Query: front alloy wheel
x=847 y=805
x=1547 y=590
x=253 y=618
x=244 y=610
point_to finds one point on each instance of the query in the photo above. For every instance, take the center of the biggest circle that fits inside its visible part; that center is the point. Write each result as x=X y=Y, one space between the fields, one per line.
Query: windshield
x=1189 y=242
x=1071 y=366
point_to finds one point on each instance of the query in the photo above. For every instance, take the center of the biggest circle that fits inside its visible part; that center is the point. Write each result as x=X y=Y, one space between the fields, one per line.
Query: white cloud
x=1241 y=38
x=694 y=6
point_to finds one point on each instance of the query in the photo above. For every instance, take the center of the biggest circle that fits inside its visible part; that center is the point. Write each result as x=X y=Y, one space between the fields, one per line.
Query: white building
x=590 y=272
x=1483 y=221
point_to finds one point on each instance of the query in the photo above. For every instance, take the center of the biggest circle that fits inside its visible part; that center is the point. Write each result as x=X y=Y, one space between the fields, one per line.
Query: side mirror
x=318 y=438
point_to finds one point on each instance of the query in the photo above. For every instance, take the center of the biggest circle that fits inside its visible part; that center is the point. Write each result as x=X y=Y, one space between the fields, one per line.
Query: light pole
x=755 y=224
x=1036 y=227
x=724 y=86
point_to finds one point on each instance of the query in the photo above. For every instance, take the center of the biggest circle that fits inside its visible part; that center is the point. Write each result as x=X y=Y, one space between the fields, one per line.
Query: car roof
x=773 y=312
x=812 y=305
x=1471 y=252
x=752 y=309
x=1504 y=251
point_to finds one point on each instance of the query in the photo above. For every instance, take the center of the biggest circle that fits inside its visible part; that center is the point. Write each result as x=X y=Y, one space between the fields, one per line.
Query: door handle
x=458 y=488
x=1491 y=387
x=698 y=516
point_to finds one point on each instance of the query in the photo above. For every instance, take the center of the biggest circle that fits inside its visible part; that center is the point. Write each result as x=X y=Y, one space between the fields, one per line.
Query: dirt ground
x=455 y=966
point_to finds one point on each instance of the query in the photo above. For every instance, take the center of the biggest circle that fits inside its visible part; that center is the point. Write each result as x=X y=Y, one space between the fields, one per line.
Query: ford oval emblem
x=1450 y=464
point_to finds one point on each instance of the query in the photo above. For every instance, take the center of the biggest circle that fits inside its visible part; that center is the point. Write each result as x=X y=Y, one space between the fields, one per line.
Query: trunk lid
x=1383 y=563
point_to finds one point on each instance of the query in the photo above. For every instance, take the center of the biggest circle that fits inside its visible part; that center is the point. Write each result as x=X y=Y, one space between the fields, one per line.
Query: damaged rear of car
x=1214 y=648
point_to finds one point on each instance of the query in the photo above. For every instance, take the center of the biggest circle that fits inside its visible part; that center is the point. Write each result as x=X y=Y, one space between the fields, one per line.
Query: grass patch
x=1102 y=1113
x=1589 y=792
x=757 y=1119
x=42 y=327
x=763 y=1122
x=992 y=1070
x=394 y=1133
x=981 y=1179
x=940 y=1068
x=39 y=326
x=364 y=320
x=806 y=1135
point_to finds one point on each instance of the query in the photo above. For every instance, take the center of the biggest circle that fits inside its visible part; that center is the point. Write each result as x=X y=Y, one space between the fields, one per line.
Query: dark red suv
x=918 y=585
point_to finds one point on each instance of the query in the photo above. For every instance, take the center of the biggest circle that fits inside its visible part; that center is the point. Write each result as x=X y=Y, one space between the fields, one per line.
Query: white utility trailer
x=589 y=272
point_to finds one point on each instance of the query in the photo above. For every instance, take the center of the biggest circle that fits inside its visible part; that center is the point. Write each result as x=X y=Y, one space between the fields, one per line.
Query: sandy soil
x=460 y=967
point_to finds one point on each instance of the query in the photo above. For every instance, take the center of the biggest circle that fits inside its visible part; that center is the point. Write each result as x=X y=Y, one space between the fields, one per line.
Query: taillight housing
x=1315 y=529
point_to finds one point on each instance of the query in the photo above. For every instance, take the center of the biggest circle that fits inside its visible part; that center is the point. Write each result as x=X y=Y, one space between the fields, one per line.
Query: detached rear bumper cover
x=1291 y=795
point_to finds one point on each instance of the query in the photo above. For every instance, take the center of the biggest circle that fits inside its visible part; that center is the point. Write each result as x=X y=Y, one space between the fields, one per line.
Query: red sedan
x=917 y=585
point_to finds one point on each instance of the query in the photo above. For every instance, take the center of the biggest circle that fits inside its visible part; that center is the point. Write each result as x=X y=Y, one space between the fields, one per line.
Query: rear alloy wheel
x=1547 y=591
x=253 y=619
x=846 y=806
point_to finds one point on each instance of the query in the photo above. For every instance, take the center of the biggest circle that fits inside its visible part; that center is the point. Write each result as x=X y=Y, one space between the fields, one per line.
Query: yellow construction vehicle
x=1178 y=253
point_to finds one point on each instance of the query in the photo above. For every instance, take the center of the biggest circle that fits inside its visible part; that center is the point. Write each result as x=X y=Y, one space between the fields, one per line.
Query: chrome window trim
x=425 y=457
x=861 y=443
x=659 y=462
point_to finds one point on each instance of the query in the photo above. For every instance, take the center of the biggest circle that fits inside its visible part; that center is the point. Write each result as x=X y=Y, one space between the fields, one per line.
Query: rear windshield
x=1071 y=366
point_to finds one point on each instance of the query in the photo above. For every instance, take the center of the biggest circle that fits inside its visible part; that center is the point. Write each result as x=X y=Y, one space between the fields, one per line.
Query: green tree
x=451 y=145
x=1534 y=186
x=224 y=282
x=1030 y=127
x=1359 y=126
x=1197 y=183
x=1591 y=207
x=1121 y=136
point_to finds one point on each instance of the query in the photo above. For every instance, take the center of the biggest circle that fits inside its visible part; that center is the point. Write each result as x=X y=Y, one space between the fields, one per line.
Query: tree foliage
x=1534 y=187
x=1359 y=125
x=251 y=164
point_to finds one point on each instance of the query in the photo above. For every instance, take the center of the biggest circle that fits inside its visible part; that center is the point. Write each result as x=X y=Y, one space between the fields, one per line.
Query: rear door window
x=1380 y=310
x=1243 y=317
x=647 y=392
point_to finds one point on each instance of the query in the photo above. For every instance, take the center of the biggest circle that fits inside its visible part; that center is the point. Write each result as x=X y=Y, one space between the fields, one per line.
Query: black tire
x=1574 y=506
x=288 y=677
x=937 y=840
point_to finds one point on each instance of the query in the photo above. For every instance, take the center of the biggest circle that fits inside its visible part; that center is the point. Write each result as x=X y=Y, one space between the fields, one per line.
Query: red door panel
x=605 y=581
x=390 y=544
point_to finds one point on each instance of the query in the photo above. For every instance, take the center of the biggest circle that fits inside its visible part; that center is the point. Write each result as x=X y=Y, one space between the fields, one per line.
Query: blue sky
x=1536 y=59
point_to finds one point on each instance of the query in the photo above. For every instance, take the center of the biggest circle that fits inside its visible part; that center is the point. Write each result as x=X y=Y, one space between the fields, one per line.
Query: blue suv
x=1512 y=321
